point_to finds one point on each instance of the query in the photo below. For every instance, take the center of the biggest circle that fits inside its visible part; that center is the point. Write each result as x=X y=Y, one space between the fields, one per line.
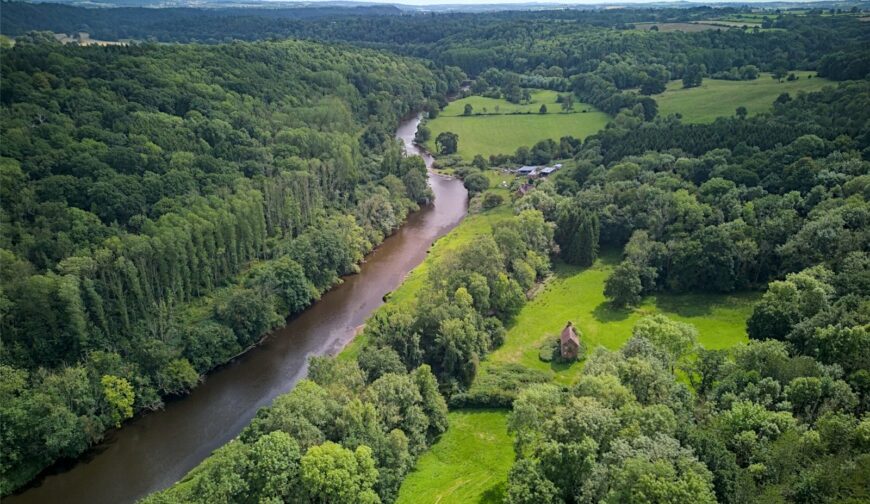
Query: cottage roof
x=569 y=334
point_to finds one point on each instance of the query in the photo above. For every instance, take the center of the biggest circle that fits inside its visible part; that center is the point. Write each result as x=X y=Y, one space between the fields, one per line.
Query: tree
x=567 y=102
x=422 y=135
x=623 y=286
x=492 y=200
x=653 y=86
x=543 y=109
x=468 y=110
x=577 y=233
x=331 y=473
x=247 y=314
x=742 y=112
x=693 y=76
x=676 y=339
x=447 y=143
x=476 y=183
x=119 y=395
x=526 y=485
x=274 y=471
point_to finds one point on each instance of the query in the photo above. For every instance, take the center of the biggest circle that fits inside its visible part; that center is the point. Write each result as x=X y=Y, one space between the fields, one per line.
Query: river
x=156 y=449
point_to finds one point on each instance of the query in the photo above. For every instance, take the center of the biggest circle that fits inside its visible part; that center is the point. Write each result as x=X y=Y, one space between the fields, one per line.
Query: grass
x=469 y=464
x=485 y=105
x=502 y=133
x=577 y=294
x=716 y=98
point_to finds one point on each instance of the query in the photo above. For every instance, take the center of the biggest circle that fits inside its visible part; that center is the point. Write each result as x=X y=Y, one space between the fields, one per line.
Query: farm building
x=569 y=342
x=527 y=170
x=548 y=170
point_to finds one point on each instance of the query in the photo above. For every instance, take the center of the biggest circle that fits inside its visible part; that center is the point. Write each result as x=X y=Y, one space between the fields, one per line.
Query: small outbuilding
x=569 y=343
x=527 y=170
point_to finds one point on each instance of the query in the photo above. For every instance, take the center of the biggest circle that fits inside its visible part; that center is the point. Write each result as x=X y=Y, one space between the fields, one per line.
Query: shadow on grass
x=606 y=312
x=697 y=305
x=494 y=494
x=560 y=365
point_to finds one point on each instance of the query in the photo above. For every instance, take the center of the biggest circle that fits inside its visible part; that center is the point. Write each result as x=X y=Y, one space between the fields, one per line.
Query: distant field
x=669 y=27
x=484 y=105
x=503 y=133
x=469 y=464
x=577 y=294
x=716 y=98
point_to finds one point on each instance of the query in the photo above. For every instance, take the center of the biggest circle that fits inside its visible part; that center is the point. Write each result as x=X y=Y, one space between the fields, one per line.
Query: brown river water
x=157 y=449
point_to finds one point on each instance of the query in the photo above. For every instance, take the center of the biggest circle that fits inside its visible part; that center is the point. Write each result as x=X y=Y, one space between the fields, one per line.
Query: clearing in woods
x=716 y=98
x=497 y=126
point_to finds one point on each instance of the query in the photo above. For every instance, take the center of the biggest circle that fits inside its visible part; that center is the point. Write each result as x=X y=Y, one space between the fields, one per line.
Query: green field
x=449 y=472
x=484 y=105
x=453 y=470
x=502 y=133
x=716 y=98
x=469 y=463
x=577 y=294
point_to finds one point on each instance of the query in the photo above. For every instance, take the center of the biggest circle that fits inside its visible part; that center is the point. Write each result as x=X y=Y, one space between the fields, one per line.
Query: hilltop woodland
x=165 y=205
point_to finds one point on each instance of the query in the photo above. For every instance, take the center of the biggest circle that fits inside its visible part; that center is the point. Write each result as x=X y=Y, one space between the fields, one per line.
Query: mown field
x=503 y=132
x=717 y=98
x=485 y=105
x=577 y=295
x=455 y=469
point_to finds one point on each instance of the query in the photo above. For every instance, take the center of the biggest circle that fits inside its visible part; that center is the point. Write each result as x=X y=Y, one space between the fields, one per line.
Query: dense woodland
x=164 y=206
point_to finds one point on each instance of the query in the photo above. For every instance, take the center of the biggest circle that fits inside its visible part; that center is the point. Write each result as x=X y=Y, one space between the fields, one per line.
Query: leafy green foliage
x=166 y=206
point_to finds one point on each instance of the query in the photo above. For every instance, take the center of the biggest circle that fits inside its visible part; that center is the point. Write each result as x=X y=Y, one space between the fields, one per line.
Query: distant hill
x=201 y=24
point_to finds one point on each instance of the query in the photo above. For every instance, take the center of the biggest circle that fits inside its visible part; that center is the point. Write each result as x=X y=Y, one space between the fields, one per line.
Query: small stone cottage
x=569 y=343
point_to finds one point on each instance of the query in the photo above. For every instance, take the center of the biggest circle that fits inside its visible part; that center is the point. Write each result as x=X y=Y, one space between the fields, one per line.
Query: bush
x=476 y=183
x=492 y=200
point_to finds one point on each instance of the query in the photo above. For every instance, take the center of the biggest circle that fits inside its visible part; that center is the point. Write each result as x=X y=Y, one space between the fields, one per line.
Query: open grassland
x=669 y=27
x=485 y=105
x=469 y=464
x=577 y=294
x=503 y=132
x=717 y=98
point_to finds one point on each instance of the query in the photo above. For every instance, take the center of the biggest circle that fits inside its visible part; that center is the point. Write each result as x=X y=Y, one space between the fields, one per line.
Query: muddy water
x=157 y=449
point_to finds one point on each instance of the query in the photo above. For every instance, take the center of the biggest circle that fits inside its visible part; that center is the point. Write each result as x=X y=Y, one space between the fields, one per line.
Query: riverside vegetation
x=269 y=168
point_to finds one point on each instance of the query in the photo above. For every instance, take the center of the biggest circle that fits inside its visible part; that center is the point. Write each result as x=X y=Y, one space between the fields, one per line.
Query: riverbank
x=155 y=450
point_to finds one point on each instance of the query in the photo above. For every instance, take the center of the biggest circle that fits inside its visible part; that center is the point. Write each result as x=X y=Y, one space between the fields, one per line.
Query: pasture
x=506 y=126
x=577 y=295
x=716 y=98
x=469 y=463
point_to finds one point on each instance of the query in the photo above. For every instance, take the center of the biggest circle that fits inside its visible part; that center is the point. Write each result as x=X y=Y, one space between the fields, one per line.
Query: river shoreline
x=156 y=449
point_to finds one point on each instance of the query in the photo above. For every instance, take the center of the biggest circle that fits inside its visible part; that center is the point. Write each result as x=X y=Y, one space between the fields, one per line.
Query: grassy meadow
x=485 y=105
x=503 y=131
x=577 y=295
x=715 y=98
x=455 y=469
